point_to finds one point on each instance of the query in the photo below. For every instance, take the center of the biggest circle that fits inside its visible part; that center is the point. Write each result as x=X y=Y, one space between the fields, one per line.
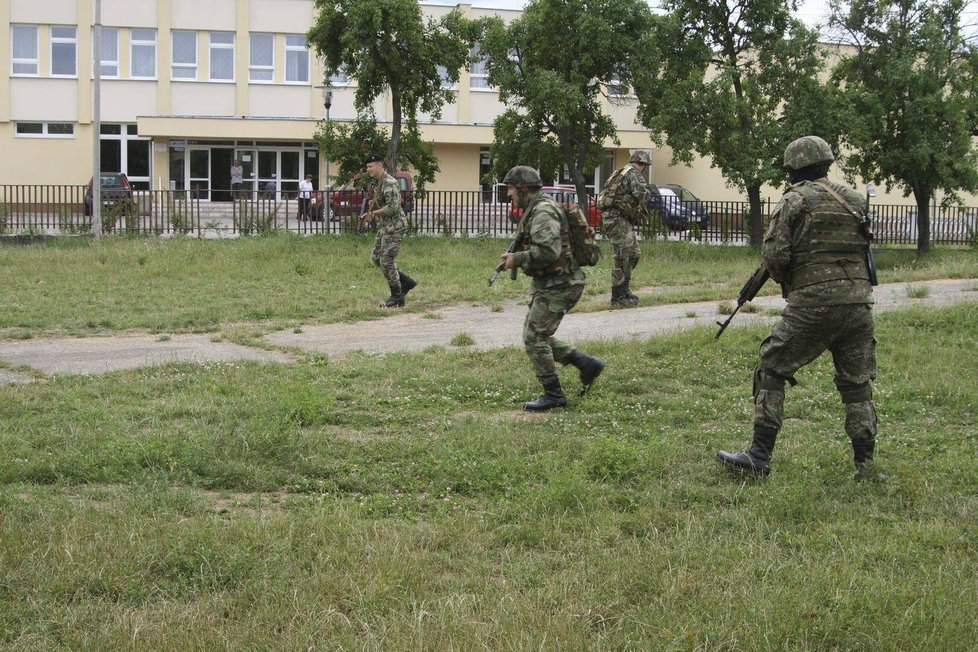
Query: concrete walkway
x=414 y=332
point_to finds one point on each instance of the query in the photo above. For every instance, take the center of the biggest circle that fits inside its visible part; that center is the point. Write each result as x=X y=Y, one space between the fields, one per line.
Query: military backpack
x=583 y=239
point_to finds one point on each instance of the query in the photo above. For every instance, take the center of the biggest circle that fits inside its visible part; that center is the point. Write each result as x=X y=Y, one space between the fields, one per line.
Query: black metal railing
x=66 y=210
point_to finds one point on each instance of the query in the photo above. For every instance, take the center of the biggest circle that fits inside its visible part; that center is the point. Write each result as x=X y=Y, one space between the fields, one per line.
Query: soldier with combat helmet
x=622 y=202
x=558 y=283
x=385 y=208
x=816 y=247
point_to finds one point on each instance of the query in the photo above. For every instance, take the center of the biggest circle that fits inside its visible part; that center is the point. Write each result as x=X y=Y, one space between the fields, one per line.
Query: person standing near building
x=558 y=284
x=237 y=179
x=622 y=202
x=385 y=208
x=305 y=195
x=816 y=247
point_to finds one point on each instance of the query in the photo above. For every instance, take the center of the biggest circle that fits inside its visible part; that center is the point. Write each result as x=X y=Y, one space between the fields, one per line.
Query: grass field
x=404 y=502
x=77 y=287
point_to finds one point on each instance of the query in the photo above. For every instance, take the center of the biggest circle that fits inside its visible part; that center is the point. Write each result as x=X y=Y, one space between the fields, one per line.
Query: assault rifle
x=516 y=244
x=747 y=293
x=367 y=203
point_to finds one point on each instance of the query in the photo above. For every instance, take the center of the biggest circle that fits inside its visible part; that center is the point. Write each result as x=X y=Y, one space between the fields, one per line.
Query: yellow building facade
x=188 y=87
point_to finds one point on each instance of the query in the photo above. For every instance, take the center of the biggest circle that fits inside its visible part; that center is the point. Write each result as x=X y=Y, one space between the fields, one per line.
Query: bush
x=255 y=218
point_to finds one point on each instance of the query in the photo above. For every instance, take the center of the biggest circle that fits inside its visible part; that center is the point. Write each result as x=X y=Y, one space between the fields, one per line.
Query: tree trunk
x=394 y=146
x=756 y=233
x=922 y=197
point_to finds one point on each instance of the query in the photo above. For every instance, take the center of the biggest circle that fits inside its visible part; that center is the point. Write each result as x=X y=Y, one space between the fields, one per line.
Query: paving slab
x=415 y=332
x=96 y=355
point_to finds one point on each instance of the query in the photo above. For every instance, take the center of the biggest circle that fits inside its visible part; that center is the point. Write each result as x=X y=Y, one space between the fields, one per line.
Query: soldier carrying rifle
x=817 y=248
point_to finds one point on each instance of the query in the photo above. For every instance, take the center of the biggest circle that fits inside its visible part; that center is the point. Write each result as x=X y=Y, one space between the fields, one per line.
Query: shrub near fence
x=60 y=209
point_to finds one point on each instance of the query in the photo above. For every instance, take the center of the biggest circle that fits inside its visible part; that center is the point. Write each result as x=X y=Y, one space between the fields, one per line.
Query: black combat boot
x=618 y=297
x=407 y=283
x=396 y=299
x=553 y=397
x=629 y=295
x=862 y=455
x=757 y=460
x=589 y=367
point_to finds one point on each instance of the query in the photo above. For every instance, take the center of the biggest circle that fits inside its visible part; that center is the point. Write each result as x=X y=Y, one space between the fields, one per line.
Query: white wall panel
x=210 y=15
x=44 y=99
x=202 y=99
x=127 y=13
x=44 y=12
x=286 y=16
x=122 y=101
x=282 y=101
x=485 y=107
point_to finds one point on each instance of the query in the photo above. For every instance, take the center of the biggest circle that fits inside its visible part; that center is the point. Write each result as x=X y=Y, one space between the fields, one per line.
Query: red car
x=566 y=195
x=349 y=199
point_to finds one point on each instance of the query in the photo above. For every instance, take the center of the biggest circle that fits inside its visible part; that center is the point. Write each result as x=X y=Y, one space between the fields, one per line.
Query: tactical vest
x=614 y=198
x=565 y=263
x=835 y=248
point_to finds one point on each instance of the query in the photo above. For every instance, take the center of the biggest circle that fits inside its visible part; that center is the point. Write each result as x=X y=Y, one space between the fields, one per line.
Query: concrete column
x=86 y=74
x=164 y=44
x=5 y=70
x=242 y=56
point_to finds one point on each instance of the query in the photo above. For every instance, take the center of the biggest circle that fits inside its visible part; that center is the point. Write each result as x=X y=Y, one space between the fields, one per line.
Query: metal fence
x=66 y=210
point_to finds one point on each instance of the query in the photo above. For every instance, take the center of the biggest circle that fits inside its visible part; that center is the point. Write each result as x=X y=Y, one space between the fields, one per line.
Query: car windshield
x=561 y=195
x=110 y=181
x=687 y=195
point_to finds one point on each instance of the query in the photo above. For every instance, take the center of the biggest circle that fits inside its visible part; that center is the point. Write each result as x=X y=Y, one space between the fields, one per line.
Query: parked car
x=566 y=195
x=116 y=191
x=348 y=200
x=691 y=201
x=675 y=213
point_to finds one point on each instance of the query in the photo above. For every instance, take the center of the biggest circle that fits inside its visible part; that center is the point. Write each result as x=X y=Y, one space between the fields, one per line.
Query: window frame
x=45 y=130
x=14 y=61
x=296 y=49
x=183 y=65
x=64 y=40
x=476 y=50
x=218 y=46
x=142 y=43
x=99 y=61
x=253 y=67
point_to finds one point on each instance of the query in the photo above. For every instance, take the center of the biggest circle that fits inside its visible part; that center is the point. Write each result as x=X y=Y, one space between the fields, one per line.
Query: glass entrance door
x=249 y=166
x=199 y=180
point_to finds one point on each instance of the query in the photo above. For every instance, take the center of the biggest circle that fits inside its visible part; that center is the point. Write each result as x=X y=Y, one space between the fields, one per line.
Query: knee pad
x=856 y=393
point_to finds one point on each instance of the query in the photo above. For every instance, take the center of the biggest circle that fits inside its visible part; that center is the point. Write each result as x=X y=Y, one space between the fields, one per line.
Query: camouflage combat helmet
x=523 y=176
x=806 y=151
x=640 y=156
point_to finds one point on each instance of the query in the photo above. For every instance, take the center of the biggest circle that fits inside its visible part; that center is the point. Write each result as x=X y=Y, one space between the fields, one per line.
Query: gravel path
x=413 y=332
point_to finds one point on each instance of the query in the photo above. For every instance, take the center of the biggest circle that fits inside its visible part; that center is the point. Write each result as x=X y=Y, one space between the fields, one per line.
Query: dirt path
x=412 y=332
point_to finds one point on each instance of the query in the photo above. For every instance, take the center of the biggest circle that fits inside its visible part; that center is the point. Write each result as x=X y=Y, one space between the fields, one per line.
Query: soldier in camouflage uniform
x=815 y=248
x=385 y=207
x=622 y=202
x=558 y=284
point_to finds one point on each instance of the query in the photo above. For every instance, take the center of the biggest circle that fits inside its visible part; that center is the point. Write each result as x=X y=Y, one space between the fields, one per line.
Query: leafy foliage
x=551 y=66
x=389 y=49
x=734 y=82
x=912 y=91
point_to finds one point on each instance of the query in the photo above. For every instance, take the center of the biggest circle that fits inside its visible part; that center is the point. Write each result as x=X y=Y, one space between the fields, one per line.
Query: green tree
x=734 y=81
x=389 y=48
x=551 y=66
x=911 y=87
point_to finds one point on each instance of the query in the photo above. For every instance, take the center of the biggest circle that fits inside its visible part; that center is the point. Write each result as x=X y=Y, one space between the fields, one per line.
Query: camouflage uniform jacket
x=546 y=254
x=632 y=195
x=387 y=202
x=815 y=249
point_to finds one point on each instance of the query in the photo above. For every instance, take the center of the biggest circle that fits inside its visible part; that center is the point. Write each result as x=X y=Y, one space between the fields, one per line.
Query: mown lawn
x=404 y=502
x=79 y=287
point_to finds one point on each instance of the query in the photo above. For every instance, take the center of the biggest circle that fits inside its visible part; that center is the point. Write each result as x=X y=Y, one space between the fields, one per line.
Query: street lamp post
x=327 y=103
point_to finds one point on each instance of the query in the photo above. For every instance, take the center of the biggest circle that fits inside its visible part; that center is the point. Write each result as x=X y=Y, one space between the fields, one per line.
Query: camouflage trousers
x=624 y=247
x=547 y=309
x=802 y=335
x=386 y=248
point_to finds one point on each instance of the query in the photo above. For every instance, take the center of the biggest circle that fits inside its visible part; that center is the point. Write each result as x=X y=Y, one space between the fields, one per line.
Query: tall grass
x=404 y=502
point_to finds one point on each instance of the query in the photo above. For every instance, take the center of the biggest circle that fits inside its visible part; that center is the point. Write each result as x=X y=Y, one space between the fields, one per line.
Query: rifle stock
x=747 y=293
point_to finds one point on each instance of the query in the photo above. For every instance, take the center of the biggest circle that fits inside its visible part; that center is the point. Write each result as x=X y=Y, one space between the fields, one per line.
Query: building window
x=142 y=62
x=616 y=88
x=109 y=61
x=261 y=64
x=446 y=83
x=63 y=42
x=339 y=78
x=296 y=59
x=123 y=151
x=45 y=130
x=23 y=49
x=184 y=57
x=478 y=72
x=222 y=56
